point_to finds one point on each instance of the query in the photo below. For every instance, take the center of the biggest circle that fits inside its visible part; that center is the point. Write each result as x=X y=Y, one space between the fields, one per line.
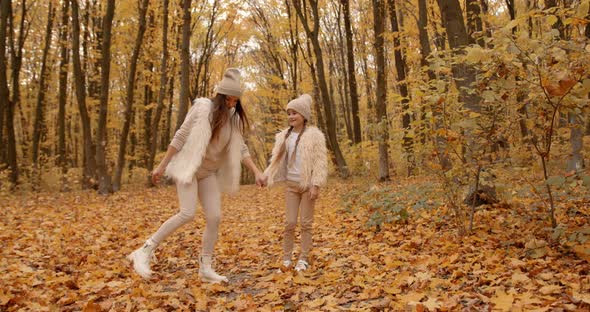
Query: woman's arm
x=159 y=171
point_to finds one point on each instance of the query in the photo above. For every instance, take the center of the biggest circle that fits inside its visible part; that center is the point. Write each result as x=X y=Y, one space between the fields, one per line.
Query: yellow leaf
x=392 y=290
x=581 y=297
x=528 y=299
x=432 y=304
x=583 y=251
x=412 y=297
x=502 y=301
x=4 y=297
x=316 y=303
x=519 y=277
x=550 y=289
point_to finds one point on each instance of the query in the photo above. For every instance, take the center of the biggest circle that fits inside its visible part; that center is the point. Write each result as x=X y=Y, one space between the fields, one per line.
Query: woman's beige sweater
x=199 y=155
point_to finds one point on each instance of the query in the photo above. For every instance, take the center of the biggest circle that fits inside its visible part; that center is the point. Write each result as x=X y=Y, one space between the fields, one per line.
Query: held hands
x=261 y=179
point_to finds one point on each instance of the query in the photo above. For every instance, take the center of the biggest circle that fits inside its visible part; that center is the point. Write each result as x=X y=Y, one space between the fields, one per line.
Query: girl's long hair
x=283 y=147
x=221 y=116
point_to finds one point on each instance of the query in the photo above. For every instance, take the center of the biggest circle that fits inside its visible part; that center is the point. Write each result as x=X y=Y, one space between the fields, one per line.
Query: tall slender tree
x=313 y=33
x=63 y=86
x=352 y=85
x=16 y=51
x=89 y=170
x=40 y=130
x=185 y=63
x=104 y=178
x=381 y=92
x=425 y=51
x=142 y=8
x=162 y=92
x=400 y=66
x=458 y=37
x=5 y=104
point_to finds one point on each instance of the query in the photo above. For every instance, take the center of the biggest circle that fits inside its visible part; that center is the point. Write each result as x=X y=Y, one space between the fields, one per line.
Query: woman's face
x=231 y=101
x=296 y=120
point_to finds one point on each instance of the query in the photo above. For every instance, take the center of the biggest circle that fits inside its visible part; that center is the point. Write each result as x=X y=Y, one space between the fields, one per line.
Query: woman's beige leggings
x=298 y=203
x=208 y=194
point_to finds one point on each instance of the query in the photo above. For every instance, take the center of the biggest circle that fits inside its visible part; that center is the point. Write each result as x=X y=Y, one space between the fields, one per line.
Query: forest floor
x=66 y=252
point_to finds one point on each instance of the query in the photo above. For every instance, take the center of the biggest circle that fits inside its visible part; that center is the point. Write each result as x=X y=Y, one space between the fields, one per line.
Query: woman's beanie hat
x=302 y=105
x=230 y=84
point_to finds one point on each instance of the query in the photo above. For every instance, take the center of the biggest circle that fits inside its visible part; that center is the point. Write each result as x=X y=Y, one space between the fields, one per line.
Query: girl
x=299 y=157
x=204 y=159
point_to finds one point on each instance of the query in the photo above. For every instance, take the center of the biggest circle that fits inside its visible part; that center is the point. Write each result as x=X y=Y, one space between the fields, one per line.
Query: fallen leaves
x=66 y=252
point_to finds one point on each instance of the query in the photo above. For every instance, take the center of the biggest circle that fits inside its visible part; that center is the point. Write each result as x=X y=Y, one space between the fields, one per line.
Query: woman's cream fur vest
x=313 y=153
x=185 y=163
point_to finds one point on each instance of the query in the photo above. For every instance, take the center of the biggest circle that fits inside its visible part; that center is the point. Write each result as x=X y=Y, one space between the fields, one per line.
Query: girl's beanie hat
x=302 y=105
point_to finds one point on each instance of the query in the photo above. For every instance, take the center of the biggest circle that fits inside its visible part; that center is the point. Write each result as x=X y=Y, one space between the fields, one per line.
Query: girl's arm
x=260 y=180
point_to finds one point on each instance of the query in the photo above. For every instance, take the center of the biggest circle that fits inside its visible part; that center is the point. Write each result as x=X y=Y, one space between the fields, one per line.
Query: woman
x=203 y=159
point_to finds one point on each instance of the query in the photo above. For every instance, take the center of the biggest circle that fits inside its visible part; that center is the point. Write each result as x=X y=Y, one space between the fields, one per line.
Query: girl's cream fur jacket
x=185 y=163
x=314 y=162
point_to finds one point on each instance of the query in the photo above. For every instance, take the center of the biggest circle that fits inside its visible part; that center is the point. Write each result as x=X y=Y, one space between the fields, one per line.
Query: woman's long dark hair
x=221 y=116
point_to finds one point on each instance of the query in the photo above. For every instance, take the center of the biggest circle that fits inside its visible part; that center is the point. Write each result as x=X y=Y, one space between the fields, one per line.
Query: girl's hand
x=314 y=192
x=157 y=174
x=261 y=179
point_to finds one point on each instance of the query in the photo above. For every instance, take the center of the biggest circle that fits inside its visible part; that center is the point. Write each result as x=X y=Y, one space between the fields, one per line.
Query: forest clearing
x=454 y=136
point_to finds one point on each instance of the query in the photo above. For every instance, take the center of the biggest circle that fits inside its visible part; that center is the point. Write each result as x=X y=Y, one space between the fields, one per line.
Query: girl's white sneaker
x=301 y=265
x=285 y=266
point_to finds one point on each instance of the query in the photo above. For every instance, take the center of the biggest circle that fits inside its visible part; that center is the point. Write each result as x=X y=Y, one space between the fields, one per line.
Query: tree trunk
x=458 y=38
x=166 y=135
x=40 y=130
x=293 y=47
x=521 y=94
x=400 y=65
x=316 y=90
x=313 y=35
x=17 y=56
x=424 y=53
x=130 y=91
x=5 y=103
x=344 y=85
x=576 y=123
x=474 y=23
x=381 y=93
x=104 y=179
x=576 y=160
x=63 y=89
x=185 y=64
x=162 y=92
x=80 y=84
x=587 y=33
x=352 y=85
x=148 y=96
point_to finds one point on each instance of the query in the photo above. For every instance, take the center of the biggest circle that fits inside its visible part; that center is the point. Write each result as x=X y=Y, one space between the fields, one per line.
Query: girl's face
x=296 y=120
x=231 y=101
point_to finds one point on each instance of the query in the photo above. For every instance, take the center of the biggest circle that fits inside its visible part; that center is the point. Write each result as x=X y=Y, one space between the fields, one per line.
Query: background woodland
x=474 y=93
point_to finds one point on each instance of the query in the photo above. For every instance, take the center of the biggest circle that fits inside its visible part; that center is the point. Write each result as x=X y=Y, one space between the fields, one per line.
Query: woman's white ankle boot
x=141 y=258
x=207 y=273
